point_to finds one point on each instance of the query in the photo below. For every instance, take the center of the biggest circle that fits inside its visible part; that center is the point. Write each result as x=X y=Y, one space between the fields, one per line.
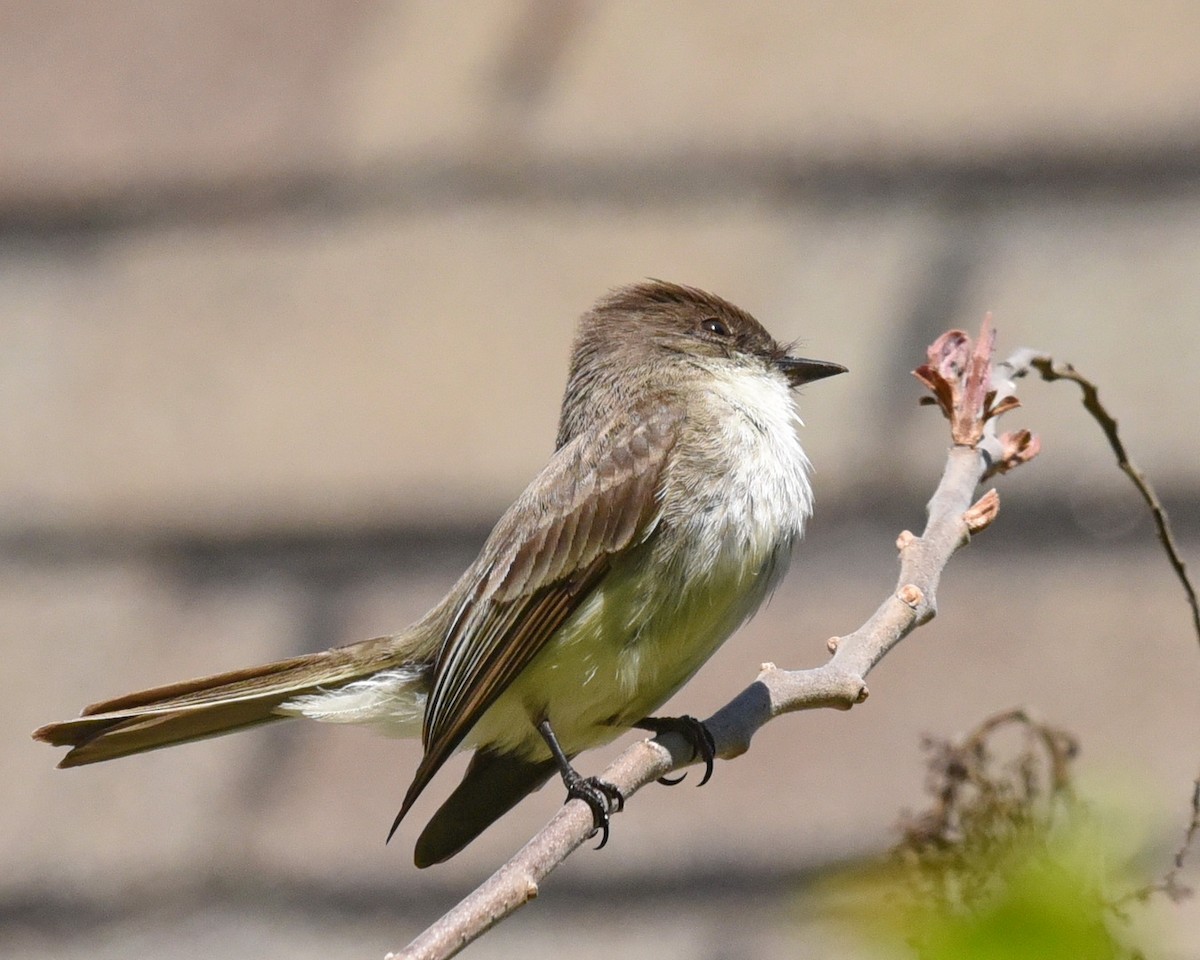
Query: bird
x=666 y=515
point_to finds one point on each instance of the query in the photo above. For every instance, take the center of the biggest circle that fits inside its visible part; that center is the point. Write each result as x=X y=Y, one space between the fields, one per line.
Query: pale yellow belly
x=635 y=641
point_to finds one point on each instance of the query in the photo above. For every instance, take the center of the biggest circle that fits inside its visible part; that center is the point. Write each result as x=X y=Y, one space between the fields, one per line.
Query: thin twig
x=1171 y=884
x=1052 y=371
x=1189 y=835
x=959 y=773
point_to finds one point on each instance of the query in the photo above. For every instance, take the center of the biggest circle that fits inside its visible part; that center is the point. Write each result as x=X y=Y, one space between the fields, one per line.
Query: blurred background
x=286 y=298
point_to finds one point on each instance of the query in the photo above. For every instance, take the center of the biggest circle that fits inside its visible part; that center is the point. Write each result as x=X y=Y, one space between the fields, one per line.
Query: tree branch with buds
x=972 y=396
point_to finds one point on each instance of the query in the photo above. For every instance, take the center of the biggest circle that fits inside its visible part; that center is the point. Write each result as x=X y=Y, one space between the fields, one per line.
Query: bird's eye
x=714 y=326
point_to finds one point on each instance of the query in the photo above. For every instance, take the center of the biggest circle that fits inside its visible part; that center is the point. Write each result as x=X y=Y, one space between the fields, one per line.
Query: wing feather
x=598 y=495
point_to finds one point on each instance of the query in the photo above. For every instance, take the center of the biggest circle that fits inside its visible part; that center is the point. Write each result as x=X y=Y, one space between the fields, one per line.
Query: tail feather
x=493 y=784
x=211 y=706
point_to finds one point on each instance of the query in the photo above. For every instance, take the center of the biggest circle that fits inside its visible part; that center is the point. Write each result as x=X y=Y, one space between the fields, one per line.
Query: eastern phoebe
x=665 y=517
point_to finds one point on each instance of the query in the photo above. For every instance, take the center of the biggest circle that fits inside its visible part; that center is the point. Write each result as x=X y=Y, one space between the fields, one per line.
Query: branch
x=1051 y=371
x=959 y=374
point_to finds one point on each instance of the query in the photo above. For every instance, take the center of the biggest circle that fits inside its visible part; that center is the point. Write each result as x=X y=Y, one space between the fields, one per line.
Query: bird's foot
x=695 y=733
x=603 y=798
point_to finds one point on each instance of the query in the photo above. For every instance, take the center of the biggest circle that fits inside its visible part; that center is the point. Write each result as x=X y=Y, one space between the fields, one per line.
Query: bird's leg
x=603 y=798
x=694 y=732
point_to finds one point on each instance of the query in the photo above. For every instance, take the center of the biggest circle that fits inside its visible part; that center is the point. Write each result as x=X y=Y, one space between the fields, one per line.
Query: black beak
x=800 y=370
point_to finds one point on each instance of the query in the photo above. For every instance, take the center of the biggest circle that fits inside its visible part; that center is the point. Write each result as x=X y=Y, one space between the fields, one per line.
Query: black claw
x=704 y=747
x=603 y=798
x=707 y=750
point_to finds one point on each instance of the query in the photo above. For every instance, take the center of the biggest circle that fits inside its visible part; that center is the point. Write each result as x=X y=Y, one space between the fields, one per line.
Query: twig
x=959 y=375
x=1171 y=885
x=1051 y=371
x=961 y=776
x=1171 y=882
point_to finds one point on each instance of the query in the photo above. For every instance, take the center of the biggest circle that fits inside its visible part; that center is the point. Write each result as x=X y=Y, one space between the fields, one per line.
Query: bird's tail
x=211 y=706
x=493 y=784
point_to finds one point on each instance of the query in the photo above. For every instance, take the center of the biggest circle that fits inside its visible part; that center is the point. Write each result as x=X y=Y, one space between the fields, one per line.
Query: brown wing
x=597 y=495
